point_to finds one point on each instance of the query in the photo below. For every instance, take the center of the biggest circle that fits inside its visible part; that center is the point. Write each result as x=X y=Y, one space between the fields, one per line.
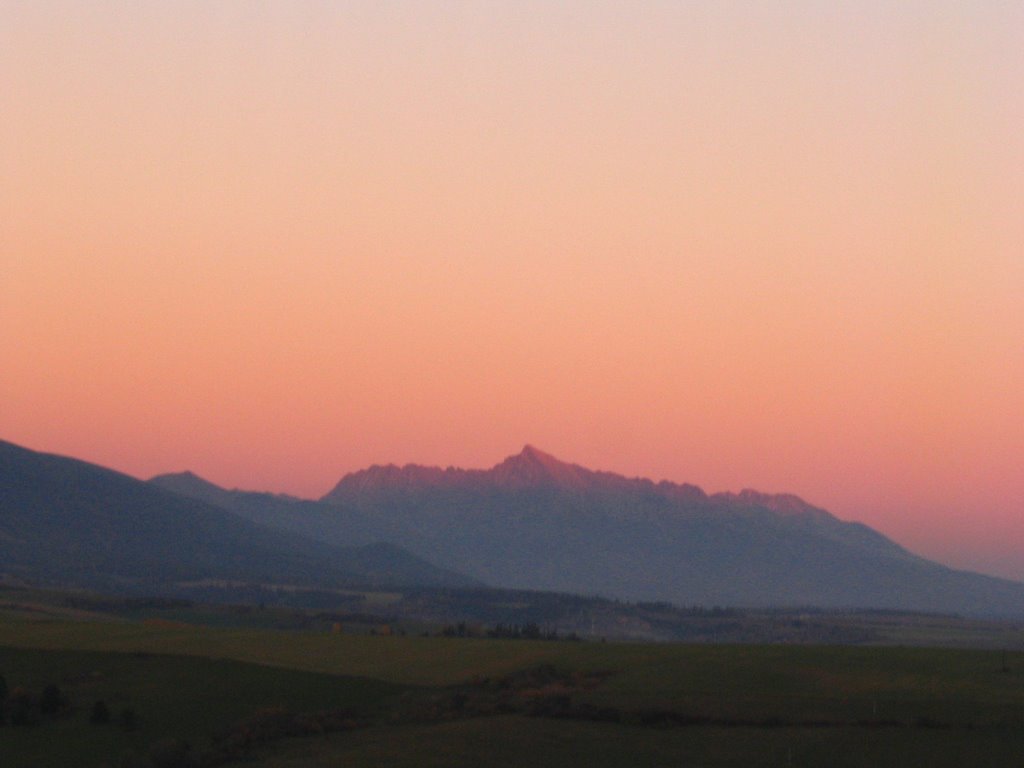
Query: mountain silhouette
x=69 y=523
x=530 y=468
x=535 y=522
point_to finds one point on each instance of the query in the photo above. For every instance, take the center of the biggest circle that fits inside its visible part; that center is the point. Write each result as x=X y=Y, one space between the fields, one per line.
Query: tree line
x=500 y=631
x=20 y=706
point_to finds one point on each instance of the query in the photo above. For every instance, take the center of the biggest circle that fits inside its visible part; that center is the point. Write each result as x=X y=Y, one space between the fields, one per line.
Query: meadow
x=338 y=699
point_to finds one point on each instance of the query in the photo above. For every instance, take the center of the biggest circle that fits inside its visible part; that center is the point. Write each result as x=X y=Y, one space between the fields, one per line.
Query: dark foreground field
x=276 y=698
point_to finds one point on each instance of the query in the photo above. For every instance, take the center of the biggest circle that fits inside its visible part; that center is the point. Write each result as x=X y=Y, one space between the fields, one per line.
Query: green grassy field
x=170 y=696
x=725 y=705
x=510 y=742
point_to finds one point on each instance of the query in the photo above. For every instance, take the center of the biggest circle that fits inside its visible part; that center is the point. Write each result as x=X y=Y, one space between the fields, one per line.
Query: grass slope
x=810 y=705
x=186 y=698
x=760 y=680
x=512 y=742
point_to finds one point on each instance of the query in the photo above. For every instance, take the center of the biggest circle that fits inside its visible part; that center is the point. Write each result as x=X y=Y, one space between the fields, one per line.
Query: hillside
x=67 y=522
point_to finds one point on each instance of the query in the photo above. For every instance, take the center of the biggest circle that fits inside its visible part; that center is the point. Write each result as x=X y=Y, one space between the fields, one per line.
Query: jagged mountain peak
x=532 y=453
x=380 y=476
x=530 y=468
x=533 y=467
x=785 y=504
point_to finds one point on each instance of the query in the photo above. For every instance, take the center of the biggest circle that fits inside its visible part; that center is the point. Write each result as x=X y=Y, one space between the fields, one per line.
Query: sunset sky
x=769 y=245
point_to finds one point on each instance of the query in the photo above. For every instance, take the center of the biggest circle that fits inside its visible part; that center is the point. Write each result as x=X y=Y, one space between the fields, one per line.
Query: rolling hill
x=67 y=522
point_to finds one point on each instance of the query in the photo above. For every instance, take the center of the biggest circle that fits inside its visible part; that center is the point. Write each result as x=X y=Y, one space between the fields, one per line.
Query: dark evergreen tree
x=531 y=631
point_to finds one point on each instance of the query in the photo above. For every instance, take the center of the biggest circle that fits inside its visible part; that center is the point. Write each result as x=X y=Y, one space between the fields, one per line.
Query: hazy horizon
x=731 y=244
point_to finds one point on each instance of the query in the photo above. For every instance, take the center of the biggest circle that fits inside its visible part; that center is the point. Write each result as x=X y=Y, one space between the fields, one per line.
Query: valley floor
x=511 y=742
x=280 y=698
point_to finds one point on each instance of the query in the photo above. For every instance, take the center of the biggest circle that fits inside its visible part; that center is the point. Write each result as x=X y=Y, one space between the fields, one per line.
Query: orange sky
x=778 y=246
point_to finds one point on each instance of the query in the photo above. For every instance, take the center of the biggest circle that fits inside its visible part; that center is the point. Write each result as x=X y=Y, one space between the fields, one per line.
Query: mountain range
x=535 y=522
x=530 y=522
x=65 y=522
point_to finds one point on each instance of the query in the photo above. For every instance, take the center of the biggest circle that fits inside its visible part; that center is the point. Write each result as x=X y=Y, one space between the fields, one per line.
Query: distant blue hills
x=535 y=522
x=65 y=522
x=530 y=522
